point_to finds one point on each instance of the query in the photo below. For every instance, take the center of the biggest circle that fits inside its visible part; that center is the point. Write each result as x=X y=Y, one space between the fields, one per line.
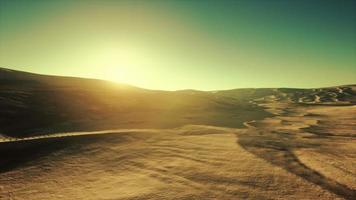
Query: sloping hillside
x=34 y=104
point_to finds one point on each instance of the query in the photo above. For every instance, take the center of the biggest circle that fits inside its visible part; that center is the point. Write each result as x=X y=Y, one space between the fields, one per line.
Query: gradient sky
x=171 y=45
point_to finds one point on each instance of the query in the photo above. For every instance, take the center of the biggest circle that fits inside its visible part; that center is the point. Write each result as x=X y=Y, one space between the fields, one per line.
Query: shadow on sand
x=20 y=153
x=277 y=149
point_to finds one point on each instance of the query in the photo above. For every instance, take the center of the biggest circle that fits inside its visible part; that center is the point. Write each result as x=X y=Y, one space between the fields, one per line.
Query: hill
x=33 y=104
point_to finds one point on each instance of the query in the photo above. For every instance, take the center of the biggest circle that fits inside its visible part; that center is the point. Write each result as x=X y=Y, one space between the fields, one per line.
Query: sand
x=274 y=158
x=68 y=138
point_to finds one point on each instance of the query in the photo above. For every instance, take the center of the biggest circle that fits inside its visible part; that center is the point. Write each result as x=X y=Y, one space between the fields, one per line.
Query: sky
x=172 y=45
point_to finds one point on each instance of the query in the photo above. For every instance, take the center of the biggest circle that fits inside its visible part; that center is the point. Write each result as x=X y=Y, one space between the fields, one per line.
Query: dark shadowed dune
x=37 y=104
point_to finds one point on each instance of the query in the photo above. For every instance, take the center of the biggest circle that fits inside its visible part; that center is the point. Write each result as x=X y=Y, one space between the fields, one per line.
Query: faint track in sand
x=75 y=134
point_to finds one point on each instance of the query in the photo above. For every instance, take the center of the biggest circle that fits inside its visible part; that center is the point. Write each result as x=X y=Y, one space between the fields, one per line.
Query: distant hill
x=33 y=104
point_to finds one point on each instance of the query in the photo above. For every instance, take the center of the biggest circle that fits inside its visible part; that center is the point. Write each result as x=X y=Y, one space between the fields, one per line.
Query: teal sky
x=171 y=45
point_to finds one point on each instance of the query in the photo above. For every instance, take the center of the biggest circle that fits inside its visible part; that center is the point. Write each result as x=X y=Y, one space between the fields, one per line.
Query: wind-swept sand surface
x=283 y=157
x=192 y=162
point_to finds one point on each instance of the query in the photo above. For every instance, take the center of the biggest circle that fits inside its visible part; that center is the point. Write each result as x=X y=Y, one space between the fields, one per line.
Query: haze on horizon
x=173 y=45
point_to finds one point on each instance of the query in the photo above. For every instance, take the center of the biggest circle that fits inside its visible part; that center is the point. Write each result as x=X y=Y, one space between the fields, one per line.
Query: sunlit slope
x=328 y=95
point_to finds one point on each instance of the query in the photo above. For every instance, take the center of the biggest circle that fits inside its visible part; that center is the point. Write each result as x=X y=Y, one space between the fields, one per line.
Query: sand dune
x=233 y=144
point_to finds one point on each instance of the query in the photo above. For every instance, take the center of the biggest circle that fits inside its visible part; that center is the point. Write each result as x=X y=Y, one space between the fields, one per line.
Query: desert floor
x=306 y=151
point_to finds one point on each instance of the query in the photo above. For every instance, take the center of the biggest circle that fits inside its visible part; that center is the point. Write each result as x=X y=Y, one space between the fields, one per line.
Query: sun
x=122 y=64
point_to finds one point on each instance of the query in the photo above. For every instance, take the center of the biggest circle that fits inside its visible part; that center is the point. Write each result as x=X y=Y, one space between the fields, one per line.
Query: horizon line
x=132 y=85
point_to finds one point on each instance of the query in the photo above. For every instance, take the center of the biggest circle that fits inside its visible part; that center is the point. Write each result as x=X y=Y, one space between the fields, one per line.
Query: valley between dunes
x=286 y=144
